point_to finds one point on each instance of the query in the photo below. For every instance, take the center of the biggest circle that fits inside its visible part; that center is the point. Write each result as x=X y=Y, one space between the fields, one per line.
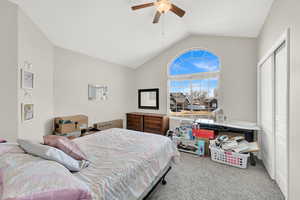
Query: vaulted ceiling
x=111 y=31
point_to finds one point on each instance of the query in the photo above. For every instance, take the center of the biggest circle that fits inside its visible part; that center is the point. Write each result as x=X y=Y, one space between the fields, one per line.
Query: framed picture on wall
x=27 y=79
x=27 y=112
x=97 y=92
x=148 y=99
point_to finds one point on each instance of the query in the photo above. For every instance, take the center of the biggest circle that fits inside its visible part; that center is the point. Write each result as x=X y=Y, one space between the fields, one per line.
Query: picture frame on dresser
x=148 y=99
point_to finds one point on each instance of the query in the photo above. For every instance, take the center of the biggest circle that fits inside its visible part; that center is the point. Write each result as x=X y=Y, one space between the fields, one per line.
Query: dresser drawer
x=153 y=120
x=134 y=122
x=134 y=117
x=153 y=124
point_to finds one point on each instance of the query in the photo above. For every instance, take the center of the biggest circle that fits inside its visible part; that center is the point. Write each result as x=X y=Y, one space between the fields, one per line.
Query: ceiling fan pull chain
x=163 y=30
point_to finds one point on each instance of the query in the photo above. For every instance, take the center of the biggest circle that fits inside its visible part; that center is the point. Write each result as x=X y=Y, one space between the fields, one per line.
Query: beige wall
x=8 y=70
x=22 y=41
x=35 y=48
x=285 y=14
x=73 y=72
x=238 y=78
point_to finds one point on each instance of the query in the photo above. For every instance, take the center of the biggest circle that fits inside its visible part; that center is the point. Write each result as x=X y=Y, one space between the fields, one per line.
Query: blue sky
x=194 y=61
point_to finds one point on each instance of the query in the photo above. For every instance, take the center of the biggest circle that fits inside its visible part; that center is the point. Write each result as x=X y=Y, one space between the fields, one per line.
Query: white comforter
x=124 y=163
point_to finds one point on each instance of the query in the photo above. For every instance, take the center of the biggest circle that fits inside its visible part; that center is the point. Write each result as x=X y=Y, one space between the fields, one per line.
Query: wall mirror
x=148 y=99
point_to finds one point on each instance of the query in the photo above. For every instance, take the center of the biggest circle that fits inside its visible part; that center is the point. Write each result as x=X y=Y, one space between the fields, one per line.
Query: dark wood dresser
x=148 y=122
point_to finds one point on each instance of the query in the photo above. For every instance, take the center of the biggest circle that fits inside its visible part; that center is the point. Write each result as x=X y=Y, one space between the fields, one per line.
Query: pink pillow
x=2 y=140
x=66 y=145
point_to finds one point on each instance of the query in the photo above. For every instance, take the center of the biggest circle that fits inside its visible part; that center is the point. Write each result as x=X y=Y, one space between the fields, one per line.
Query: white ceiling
x=109 y=30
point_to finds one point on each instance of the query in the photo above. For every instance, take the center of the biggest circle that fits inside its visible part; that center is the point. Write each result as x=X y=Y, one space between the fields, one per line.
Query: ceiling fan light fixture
x=163 y=6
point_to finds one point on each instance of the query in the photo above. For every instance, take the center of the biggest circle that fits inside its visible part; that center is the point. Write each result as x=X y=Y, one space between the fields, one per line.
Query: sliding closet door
x=281 y=117
x=267 y=115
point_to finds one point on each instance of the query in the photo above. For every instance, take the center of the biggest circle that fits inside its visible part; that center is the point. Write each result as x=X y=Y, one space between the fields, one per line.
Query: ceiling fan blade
x=142 y=6
x=157 y=17
x=177 y=11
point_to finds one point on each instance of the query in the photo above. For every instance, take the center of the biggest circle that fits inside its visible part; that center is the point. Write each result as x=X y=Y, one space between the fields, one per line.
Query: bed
x=125 y=165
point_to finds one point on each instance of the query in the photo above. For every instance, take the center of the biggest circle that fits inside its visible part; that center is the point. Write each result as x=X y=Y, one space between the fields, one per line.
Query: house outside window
x=194 y=84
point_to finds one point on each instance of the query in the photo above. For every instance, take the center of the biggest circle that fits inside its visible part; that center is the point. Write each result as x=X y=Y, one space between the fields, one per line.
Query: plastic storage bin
x=229 y=158
x=202 y=133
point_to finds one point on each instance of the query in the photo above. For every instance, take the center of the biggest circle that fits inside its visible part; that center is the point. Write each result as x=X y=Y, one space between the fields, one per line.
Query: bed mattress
x=124 y=163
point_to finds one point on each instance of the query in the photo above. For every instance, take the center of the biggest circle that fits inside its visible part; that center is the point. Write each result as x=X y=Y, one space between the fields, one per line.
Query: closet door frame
x=271 y=165
x=284 y=39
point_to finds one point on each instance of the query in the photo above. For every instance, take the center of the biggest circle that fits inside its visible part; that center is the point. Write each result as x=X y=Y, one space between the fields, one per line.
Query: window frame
x=190 y=77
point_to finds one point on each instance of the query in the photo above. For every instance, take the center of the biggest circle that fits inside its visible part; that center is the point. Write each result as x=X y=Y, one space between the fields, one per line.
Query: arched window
x=193 y=83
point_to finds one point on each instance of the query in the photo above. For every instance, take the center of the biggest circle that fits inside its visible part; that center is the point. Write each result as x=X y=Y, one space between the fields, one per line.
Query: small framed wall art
x=97 y=92
x=27 y=79
x=27 y=112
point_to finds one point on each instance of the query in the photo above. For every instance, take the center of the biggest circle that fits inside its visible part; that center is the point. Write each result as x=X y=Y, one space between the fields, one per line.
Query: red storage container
x=202 y=133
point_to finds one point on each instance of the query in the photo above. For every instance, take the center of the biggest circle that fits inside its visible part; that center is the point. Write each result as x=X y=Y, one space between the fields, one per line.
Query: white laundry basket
x=229 y=158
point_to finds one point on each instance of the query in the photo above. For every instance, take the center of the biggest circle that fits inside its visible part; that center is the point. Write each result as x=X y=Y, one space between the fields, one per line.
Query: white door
x=281 y=117
x=267 y=115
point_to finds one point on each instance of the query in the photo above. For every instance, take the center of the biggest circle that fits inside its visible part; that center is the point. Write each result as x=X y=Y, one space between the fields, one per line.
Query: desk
x=246 y=128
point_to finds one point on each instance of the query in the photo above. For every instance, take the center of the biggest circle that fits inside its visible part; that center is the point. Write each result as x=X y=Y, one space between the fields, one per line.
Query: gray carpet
x=198 y=178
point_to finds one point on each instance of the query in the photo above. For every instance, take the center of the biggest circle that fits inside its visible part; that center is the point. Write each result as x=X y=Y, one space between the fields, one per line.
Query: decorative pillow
x=66 y=145
x=37 y=179
x=51 y=153
x=2 y=140
x=10 y=148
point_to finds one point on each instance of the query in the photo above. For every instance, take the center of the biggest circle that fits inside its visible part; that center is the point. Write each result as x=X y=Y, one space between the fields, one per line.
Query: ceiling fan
x=162 y=7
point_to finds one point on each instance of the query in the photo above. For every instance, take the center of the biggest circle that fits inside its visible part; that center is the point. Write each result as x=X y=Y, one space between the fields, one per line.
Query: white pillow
x=51 y=153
